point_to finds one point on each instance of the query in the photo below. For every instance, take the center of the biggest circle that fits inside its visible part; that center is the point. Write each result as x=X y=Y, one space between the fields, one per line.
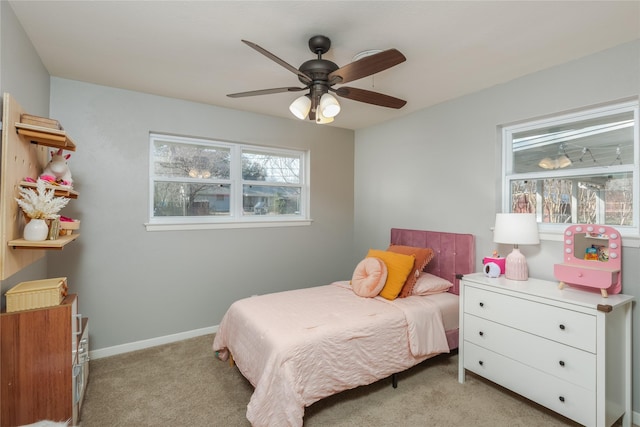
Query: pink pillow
x=423 y=257
x=369 y=277
x=429 y=284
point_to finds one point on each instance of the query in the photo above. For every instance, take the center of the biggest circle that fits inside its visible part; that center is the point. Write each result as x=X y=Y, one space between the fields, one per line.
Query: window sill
x=228 y=225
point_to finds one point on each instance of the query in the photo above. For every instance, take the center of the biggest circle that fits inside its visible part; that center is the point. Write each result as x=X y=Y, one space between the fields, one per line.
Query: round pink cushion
x=369 y=277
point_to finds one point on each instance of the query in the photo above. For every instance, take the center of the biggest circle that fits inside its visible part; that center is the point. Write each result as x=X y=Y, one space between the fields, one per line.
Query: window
x=198 y=181
x=576 y=168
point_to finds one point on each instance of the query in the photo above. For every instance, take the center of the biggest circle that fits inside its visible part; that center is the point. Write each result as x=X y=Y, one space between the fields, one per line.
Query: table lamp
x=516 y=229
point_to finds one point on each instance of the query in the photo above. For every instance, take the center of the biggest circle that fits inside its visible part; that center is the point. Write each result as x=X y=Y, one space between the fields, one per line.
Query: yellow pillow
x=398 y=268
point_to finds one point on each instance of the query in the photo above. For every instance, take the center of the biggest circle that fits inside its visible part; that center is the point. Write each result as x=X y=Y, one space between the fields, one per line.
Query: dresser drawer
x=565 y=326
x=565 y=362
x=561 y=396
x=585 y=276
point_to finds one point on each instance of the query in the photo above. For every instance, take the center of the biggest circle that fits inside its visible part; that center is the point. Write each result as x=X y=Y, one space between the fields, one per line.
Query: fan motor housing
x=317 y=69
x=319 y=44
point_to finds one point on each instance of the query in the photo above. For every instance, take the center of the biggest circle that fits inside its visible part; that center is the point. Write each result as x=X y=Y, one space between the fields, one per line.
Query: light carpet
x=183 y=384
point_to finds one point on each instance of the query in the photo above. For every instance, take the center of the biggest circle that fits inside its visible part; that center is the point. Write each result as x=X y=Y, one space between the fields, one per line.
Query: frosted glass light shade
x=563 y=161
x=321 y=120
x=559 y=162
x=329 y=105
x=300 y=107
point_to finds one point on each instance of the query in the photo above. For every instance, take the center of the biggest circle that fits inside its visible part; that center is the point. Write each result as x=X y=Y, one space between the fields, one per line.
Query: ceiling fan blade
x=266 y=91
x=367 y=66
x=274 y=58
x=370 y=97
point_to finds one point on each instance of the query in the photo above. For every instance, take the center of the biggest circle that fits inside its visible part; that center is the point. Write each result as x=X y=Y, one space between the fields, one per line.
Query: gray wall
x=440 y=168
x=437 y=169
x=135 y=284
x=25 y=78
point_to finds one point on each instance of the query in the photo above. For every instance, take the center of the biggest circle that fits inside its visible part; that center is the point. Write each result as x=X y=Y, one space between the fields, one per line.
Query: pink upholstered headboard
x=455 y=254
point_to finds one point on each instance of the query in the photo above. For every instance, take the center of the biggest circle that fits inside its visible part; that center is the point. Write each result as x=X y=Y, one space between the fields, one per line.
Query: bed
x=297 y=347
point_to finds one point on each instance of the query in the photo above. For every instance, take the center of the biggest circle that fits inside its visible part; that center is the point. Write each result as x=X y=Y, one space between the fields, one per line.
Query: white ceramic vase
x=36 y=230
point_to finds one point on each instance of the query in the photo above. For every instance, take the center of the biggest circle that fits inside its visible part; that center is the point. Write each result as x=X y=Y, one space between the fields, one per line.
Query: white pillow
x=429 y=284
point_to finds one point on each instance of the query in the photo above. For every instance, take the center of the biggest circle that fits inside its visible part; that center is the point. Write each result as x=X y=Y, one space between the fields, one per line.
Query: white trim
x=209 y=226
x=152 y=342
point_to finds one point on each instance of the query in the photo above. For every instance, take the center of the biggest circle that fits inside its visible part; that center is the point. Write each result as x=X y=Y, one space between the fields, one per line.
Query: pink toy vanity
x=592 y=258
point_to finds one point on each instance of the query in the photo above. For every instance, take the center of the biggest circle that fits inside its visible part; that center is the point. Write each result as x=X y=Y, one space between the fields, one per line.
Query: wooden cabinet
x=44 y=367
x=566 y=349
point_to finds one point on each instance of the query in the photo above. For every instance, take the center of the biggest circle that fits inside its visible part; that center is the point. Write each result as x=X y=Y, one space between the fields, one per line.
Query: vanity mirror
x=592 y=258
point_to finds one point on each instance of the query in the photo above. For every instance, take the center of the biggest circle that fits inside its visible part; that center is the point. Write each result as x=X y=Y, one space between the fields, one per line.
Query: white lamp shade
x=516 y=229
x=300 y=107
x=329 y=105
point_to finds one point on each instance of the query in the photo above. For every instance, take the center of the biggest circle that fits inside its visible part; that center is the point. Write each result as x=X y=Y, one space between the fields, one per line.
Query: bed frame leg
x=231 y=362
x=394 y=380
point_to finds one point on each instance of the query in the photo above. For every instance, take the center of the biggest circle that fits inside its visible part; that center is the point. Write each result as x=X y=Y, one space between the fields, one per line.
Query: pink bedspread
x=297 y=347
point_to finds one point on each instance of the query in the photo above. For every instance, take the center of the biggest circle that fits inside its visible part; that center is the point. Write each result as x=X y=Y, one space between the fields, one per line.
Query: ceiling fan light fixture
x=322 y=119
x=563 y=161
x=559 y=162
x=547 y=163
x=300 y=107
x=329 y=105
x=319 y=75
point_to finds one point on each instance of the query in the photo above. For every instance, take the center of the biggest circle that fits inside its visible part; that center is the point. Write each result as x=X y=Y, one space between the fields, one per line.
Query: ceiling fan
x=320 y=75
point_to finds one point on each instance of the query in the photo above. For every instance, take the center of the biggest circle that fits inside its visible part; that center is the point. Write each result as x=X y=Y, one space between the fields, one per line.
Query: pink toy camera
x=499 y=261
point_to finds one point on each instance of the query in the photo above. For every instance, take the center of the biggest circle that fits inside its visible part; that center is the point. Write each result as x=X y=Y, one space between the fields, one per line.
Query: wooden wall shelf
x=58 y=191
x=58 y=243
x=25 y=153
x=55 y=138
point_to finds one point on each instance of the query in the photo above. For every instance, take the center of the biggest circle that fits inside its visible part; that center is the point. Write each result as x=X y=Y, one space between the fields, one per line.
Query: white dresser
x=566 y=349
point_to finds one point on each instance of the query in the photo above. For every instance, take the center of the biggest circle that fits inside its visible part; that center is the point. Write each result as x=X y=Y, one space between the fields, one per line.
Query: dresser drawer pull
x=561 y=398
x=562 y=327
x=561 y=363
x=480 y=362
x=481 y=333
x=481 y=304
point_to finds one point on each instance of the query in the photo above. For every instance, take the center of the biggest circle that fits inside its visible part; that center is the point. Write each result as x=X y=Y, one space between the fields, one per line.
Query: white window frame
x=235 y=219
x=554 y=231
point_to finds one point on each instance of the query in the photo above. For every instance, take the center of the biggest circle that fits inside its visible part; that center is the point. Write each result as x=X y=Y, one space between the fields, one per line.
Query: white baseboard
x=152 y=342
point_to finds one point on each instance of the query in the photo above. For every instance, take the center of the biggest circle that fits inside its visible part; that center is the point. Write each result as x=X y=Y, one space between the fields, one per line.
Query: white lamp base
x=516 y=266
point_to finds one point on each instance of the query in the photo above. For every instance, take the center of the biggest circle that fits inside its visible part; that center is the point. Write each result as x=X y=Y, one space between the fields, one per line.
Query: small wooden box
x=67 y=227
x=36 y=294
x=40 y=121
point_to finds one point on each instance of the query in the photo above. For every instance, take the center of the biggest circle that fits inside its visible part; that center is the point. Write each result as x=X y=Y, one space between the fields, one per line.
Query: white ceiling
x=192 y=50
